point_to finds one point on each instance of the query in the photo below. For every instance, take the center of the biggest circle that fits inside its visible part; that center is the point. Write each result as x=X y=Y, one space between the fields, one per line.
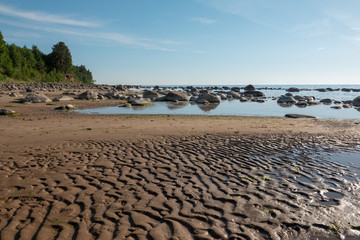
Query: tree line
x=22 y=63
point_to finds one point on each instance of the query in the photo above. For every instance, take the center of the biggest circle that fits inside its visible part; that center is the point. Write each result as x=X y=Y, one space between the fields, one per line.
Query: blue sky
x=191 y=42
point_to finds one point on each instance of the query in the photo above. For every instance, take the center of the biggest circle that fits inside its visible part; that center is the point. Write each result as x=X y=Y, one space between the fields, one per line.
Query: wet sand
x=69 y=176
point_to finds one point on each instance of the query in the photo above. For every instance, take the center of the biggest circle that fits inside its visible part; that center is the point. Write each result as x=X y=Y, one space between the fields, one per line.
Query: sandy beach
x=69 y=176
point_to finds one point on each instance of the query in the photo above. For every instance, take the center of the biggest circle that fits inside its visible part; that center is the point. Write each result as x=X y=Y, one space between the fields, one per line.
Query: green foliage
x=60 y=58
x=22 y=63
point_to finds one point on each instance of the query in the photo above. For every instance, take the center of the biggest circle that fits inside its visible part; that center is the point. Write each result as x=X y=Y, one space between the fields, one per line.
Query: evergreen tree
x=60 y=58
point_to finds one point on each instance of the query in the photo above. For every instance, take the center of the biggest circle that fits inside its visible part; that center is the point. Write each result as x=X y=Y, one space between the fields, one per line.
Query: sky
x=196 y=42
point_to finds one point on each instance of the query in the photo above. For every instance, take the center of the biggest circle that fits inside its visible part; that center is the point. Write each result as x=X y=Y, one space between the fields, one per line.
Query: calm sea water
x=237 y=108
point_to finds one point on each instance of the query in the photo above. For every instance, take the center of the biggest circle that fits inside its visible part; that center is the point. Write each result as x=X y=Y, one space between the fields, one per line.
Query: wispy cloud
x=320 y=48
x=43 y=17
x=203 y=20
x=199 y=52
x=99 y=36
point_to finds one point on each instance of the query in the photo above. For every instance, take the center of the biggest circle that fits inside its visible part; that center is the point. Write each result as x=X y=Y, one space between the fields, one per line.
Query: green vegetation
x=29 y=65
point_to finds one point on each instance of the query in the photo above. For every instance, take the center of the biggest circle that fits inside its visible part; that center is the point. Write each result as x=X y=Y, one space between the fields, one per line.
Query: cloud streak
x=107 y=37
x=43 y=17
x=203 y=20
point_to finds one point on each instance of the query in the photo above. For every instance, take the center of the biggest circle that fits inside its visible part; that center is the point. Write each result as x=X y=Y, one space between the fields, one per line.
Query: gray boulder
x=293 y=89
x=249 y=88
x=139 y=102
x=326 y=101
x=88 y=95
x=150 y=94
x=177 y=96
x=211 y=98
x=356 y=102
x=254 y=93
x=63 y=98
x=36 y=98
x=286 y=99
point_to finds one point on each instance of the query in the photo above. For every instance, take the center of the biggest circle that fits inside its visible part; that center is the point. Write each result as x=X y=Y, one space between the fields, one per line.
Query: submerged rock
x=293 y=89
x=298 y=116
x=286 y=99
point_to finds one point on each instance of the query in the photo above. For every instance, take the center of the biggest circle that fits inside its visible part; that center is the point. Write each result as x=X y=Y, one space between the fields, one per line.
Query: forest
x=31 y=65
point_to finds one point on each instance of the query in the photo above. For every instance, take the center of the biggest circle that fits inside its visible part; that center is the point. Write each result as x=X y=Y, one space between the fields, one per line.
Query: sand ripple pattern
x=195 y=187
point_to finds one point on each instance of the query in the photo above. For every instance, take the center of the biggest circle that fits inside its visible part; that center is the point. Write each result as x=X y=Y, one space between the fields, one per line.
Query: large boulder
x=286 y=99
x=254 y=93
x=88 y=95
x=249 y=88
x=151 y=94
x=63 y=98
x=356 y=102
x=36 y=98
x=139 y=102
x=211 y=98
x=177 y=96
x=293 y=89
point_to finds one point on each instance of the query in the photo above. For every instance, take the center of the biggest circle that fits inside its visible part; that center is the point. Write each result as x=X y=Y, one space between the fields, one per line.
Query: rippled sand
x=220 y=186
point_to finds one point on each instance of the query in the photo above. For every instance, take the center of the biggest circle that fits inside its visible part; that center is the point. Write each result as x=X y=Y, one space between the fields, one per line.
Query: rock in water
x=249 y=88
x=299 y=116
x=211 y=98
x=356 y=102
x=177 y=96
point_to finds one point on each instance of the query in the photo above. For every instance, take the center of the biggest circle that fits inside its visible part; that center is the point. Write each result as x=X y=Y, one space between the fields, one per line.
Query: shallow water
x=231 y=108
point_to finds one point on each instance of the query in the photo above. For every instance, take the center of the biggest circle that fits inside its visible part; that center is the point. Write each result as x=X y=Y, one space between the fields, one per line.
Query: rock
x=356 y=102
x=260 y=100
x=299 y=116
x=66 y=107
x=254 y=93
x=286 y=99
x=150 y=94
x=326 y=101
x=313 y=103
x=7 y=112
x=243 y=99
x=127 y=105
x=293 y=89
x=249 y=88
x=335 y=107
x=88 y=95
x=346 y=106
x=193 y=98
x=36 y=98
x=139 y=102
x=235 y=89
x=63 y=98
x=15 y=94
x=177 y=96
x=201 y=101
x=211 y=98
x=301 y=104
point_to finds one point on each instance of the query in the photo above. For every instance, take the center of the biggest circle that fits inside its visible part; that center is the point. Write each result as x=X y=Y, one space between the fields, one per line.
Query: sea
x=269 y=108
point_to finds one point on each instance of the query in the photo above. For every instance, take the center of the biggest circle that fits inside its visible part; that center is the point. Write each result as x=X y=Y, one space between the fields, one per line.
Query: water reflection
x=286 y=105
x=140 y=108
x=208 y=107
x=176 y=105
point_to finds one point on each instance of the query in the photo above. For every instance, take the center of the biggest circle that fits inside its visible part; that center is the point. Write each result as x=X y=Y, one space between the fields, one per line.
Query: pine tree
x=60 y=58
